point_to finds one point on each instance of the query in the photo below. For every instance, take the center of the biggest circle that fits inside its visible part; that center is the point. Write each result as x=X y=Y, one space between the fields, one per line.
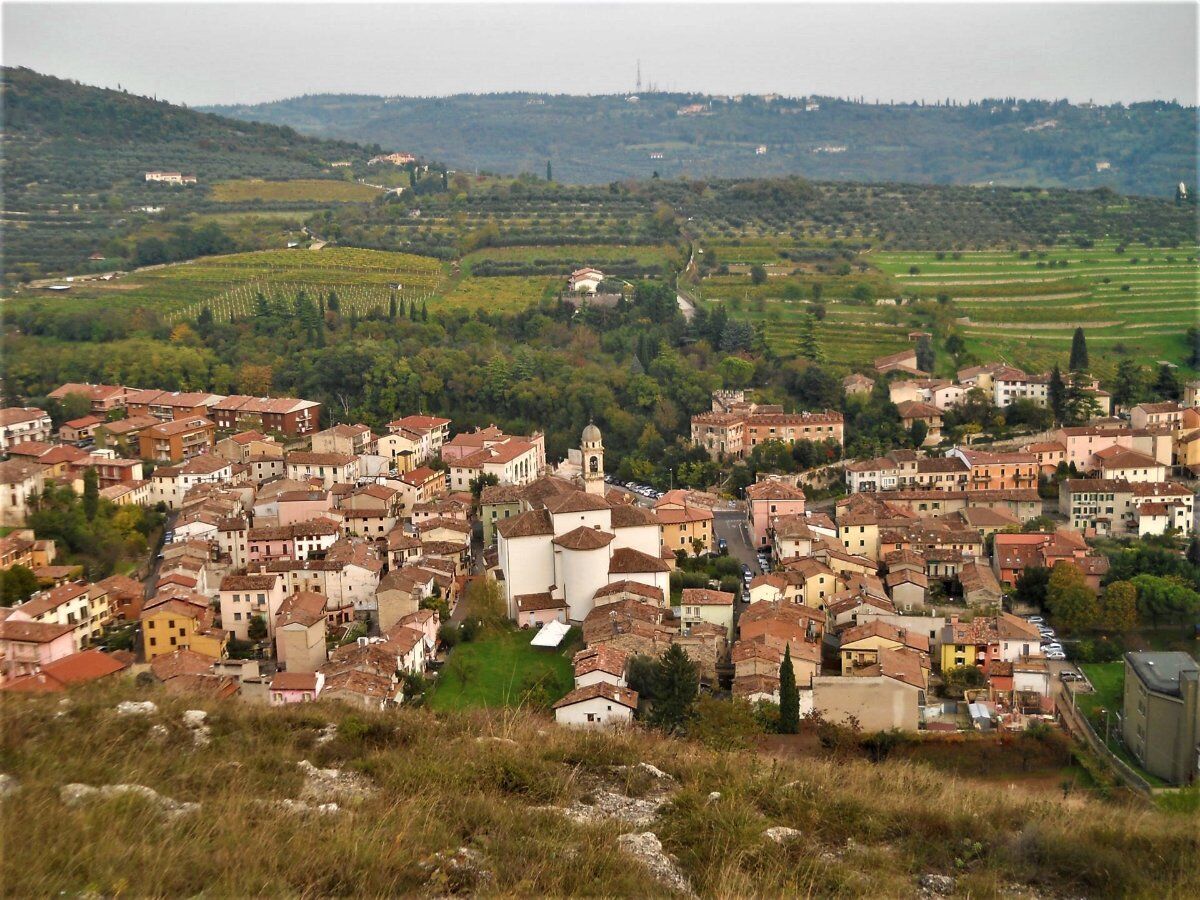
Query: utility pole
x=639 y=76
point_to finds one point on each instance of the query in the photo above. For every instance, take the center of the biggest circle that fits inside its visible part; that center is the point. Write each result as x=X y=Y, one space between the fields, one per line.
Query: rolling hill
x=1145 y=148
x=75 y=159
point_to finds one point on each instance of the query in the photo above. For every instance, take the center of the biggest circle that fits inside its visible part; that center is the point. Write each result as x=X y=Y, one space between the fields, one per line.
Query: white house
x=597 y=705
x=585 y=280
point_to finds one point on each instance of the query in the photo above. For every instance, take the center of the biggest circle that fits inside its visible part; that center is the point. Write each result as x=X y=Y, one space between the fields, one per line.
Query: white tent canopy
x=551 y=635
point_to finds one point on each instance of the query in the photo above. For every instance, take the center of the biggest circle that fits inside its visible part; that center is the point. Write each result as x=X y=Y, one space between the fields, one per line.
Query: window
x=153 y=642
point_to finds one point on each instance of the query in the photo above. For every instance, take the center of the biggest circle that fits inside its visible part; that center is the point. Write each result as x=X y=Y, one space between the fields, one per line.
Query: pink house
x=296 y=687
x=767 y=501
x=426 y=621
x=1082 y=442
x=26 y=646
x=300 y=506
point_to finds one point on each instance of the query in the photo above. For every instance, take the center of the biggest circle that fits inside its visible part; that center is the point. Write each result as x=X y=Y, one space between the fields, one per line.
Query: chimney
x=954 y=619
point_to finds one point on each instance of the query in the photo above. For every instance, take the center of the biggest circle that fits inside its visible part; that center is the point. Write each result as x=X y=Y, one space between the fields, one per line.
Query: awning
x=550 y=635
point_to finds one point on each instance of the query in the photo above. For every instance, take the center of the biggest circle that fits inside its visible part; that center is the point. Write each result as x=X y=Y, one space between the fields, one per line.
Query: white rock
x=328 y=733
x=160 y=730
x=633 y=811
x=781 y=834
x=648 y=850
x=328 y=785
x=652 y=770
x=136 y=708
x=714 y=796
x=75 y=794
x=8 y=784
x=194 y=718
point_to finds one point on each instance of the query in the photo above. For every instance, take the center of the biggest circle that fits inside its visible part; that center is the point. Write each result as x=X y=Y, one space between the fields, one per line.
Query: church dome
x=591 y=434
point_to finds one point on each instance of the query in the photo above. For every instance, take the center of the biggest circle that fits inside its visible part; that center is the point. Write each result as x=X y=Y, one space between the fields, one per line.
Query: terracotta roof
x=879 y=628
x=535 y=602
x=32 y=632
x=601 y=689
x=15 y=471
x=706 y=597
x=294 y=681
x=14 y=415
x=632 y=516
x=673 y=515
x=584 y=538
x=527 y=524
x=773 y=490
x=180 y=662
x=249 y=582
x=600 y=659
x=631 y=587
x=902 y=664
x=626 y=560
x=308 y=458
x=303 y=608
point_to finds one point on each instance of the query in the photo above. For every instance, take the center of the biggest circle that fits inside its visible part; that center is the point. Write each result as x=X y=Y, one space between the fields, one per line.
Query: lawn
x=296 y=190
x=1109 y=681
x=498 y=668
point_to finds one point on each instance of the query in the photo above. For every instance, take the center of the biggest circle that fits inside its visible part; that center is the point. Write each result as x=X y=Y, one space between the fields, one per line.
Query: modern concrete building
x=1161 y=717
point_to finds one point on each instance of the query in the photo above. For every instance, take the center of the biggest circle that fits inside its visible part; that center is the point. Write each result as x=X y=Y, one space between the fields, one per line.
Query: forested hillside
x=1146 y=148
x=75 y=159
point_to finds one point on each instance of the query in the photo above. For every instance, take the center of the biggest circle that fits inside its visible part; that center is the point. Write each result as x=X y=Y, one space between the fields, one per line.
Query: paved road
x=731 y=525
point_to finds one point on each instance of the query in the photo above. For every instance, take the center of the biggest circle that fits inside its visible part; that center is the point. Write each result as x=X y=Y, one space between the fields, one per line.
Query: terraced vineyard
x=295 y=190
x=1020 y=306
x=1024 y=307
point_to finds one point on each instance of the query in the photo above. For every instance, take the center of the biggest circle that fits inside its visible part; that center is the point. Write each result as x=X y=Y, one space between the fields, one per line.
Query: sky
x=202 y=54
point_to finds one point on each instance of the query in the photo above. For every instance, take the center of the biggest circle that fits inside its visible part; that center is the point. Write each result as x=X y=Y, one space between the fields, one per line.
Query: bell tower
x=592 y=447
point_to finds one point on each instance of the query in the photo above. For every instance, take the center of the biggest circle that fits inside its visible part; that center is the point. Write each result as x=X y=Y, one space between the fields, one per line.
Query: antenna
x=639 y=76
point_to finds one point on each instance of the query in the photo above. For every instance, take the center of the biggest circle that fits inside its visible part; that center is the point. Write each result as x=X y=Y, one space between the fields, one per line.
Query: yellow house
x=682 y=524
x=861 y=644
x=181 y=622
x=860 y=537
x=815 y=581
x=702 y=605
x=1187 y=451
x=402 y=449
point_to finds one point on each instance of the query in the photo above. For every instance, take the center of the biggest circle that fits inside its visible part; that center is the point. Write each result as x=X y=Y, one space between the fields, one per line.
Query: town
x=296 y=563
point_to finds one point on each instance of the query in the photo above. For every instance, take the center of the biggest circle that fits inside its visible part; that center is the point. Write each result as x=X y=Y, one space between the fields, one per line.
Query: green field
x=499 y=668
x=296 y=190
x=1108 y=679
x=1007 y=305
x=227 y=284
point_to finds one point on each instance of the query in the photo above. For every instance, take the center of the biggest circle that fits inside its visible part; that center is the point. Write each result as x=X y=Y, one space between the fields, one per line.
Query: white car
x=1056 y=655
x=1036 y=620
x=1052 y=648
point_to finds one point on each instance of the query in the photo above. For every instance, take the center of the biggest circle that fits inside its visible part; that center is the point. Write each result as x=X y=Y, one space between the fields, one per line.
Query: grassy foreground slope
x=440 y=782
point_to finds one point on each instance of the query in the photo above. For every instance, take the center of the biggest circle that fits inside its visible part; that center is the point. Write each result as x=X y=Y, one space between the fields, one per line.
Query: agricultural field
x=363 y=279
x=295 y=190
x=499 y=294
x=625 y=260
x=1021 y=307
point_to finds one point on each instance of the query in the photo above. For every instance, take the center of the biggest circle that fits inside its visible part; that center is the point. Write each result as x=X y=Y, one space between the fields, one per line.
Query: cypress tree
x=392 y=308
x=1079 y=352
x=91 y=493
x=424 y=311
x=1056 y=394
x=789 y=696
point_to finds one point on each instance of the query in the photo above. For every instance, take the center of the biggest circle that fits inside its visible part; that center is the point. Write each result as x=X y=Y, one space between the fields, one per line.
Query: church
x=571 y=542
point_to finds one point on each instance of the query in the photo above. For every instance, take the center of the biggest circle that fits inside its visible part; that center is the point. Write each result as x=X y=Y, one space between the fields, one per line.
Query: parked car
x=1070 y=676
x=1036 y=620
x=722 y=544
x=1052 y=648
x=1056 y=655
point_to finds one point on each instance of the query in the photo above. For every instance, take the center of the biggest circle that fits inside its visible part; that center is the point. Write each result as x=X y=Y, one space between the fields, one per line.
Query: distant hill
x=1146 y=148
x=75 y=159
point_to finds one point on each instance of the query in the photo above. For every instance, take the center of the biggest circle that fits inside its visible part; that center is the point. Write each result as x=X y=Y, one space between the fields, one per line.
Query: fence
x=1078 y=725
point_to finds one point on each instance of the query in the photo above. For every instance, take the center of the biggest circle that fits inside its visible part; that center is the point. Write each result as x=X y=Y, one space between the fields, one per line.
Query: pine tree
x=925 y=357
x=678 y=684
x=1056 y=394
x=91 y=493
x=1166 y=386
x=1127 y=384
x=789 y=696
x=1079 y=352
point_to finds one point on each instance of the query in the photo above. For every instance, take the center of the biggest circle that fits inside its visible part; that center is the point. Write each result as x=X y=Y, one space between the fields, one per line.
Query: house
x=1120 y=464
x=1104 y=506
x=861 y=644
x=288 y=415
x=19 y=424
x=78 y=604
x=535 y=610
x=767 y=501
x=980 y=586
x=703 y=605
x=20 y=482
x=353 y=440
x=601 y=704
x=904 y=361
x=172 y=178
x=175 y=441
x=81 y=430
x=243 y=598
x=1148 y=415
x=103 y=398
x=327 y=468
x=585 y=280
x=684 y=527
x=180 y=621
x=1161 y=714
x=1012 y=554
x=857 y=383
x=26 y=646
x=883 y=697
x=600 y=664
x=420 y=486
x=170 y=484
x=913 y=411
x=56 y=676
x=296 y=687
x=497 y=502
x=737 y=431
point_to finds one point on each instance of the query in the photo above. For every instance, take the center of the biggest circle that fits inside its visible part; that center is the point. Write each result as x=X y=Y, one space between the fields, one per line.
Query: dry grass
x=445 y=781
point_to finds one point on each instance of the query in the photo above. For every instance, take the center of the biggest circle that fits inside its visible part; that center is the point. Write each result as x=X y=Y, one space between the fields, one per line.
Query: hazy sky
x=240 y=53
